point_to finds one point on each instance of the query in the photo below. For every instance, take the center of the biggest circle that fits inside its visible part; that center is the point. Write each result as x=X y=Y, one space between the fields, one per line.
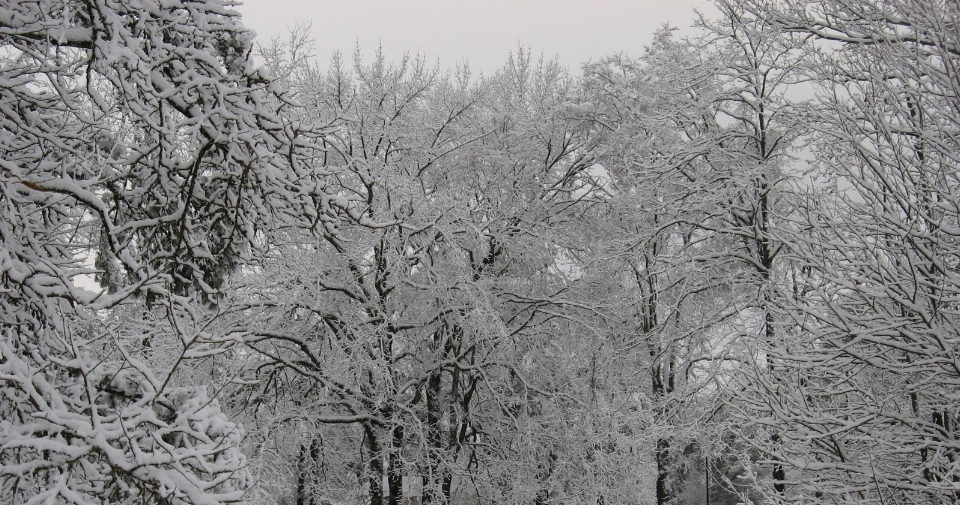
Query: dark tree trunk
x=395 y=472
x=302 y=476
x=307 y=464
x=663 y=471
x=374 y=467
x=779 y=474
x=443 y=447
x=434 y=437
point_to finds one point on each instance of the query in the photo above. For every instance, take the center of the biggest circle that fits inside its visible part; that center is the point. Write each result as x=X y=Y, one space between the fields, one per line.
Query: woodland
x=724 y=270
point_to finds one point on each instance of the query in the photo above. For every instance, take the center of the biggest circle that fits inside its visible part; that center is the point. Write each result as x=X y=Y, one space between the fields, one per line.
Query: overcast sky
x=482 y=32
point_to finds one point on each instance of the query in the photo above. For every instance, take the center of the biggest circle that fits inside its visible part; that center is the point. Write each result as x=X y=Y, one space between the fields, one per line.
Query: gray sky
x=482 y=32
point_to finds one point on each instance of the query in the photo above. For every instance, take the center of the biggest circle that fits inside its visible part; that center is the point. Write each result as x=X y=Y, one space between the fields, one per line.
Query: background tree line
x=725 y=268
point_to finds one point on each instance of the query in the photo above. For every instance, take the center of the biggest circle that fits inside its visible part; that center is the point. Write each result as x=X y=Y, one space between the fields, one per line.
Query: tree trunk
x=434 y=437
x=663 y=471
x=374 y=467
x=395 y=471
x=306 y=495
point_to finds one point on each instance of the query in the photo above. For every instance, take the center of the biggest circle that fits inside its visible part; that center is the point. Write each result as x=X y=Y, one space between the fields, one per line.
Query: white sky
x=482 y=32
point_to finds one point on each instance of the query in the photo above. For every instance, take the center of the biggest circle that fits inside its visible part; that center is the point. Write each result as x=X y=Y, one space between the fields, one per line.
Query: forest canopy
x=724 y=270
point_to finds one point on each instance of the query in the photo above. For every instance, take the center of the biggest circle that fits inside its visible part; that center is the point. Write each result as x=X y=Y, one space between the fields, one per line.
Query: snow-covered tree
x=869 y=412
x=657 y=120
x=436 y=349
x=140 y=147
x=696 y=148
x=754 y=179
